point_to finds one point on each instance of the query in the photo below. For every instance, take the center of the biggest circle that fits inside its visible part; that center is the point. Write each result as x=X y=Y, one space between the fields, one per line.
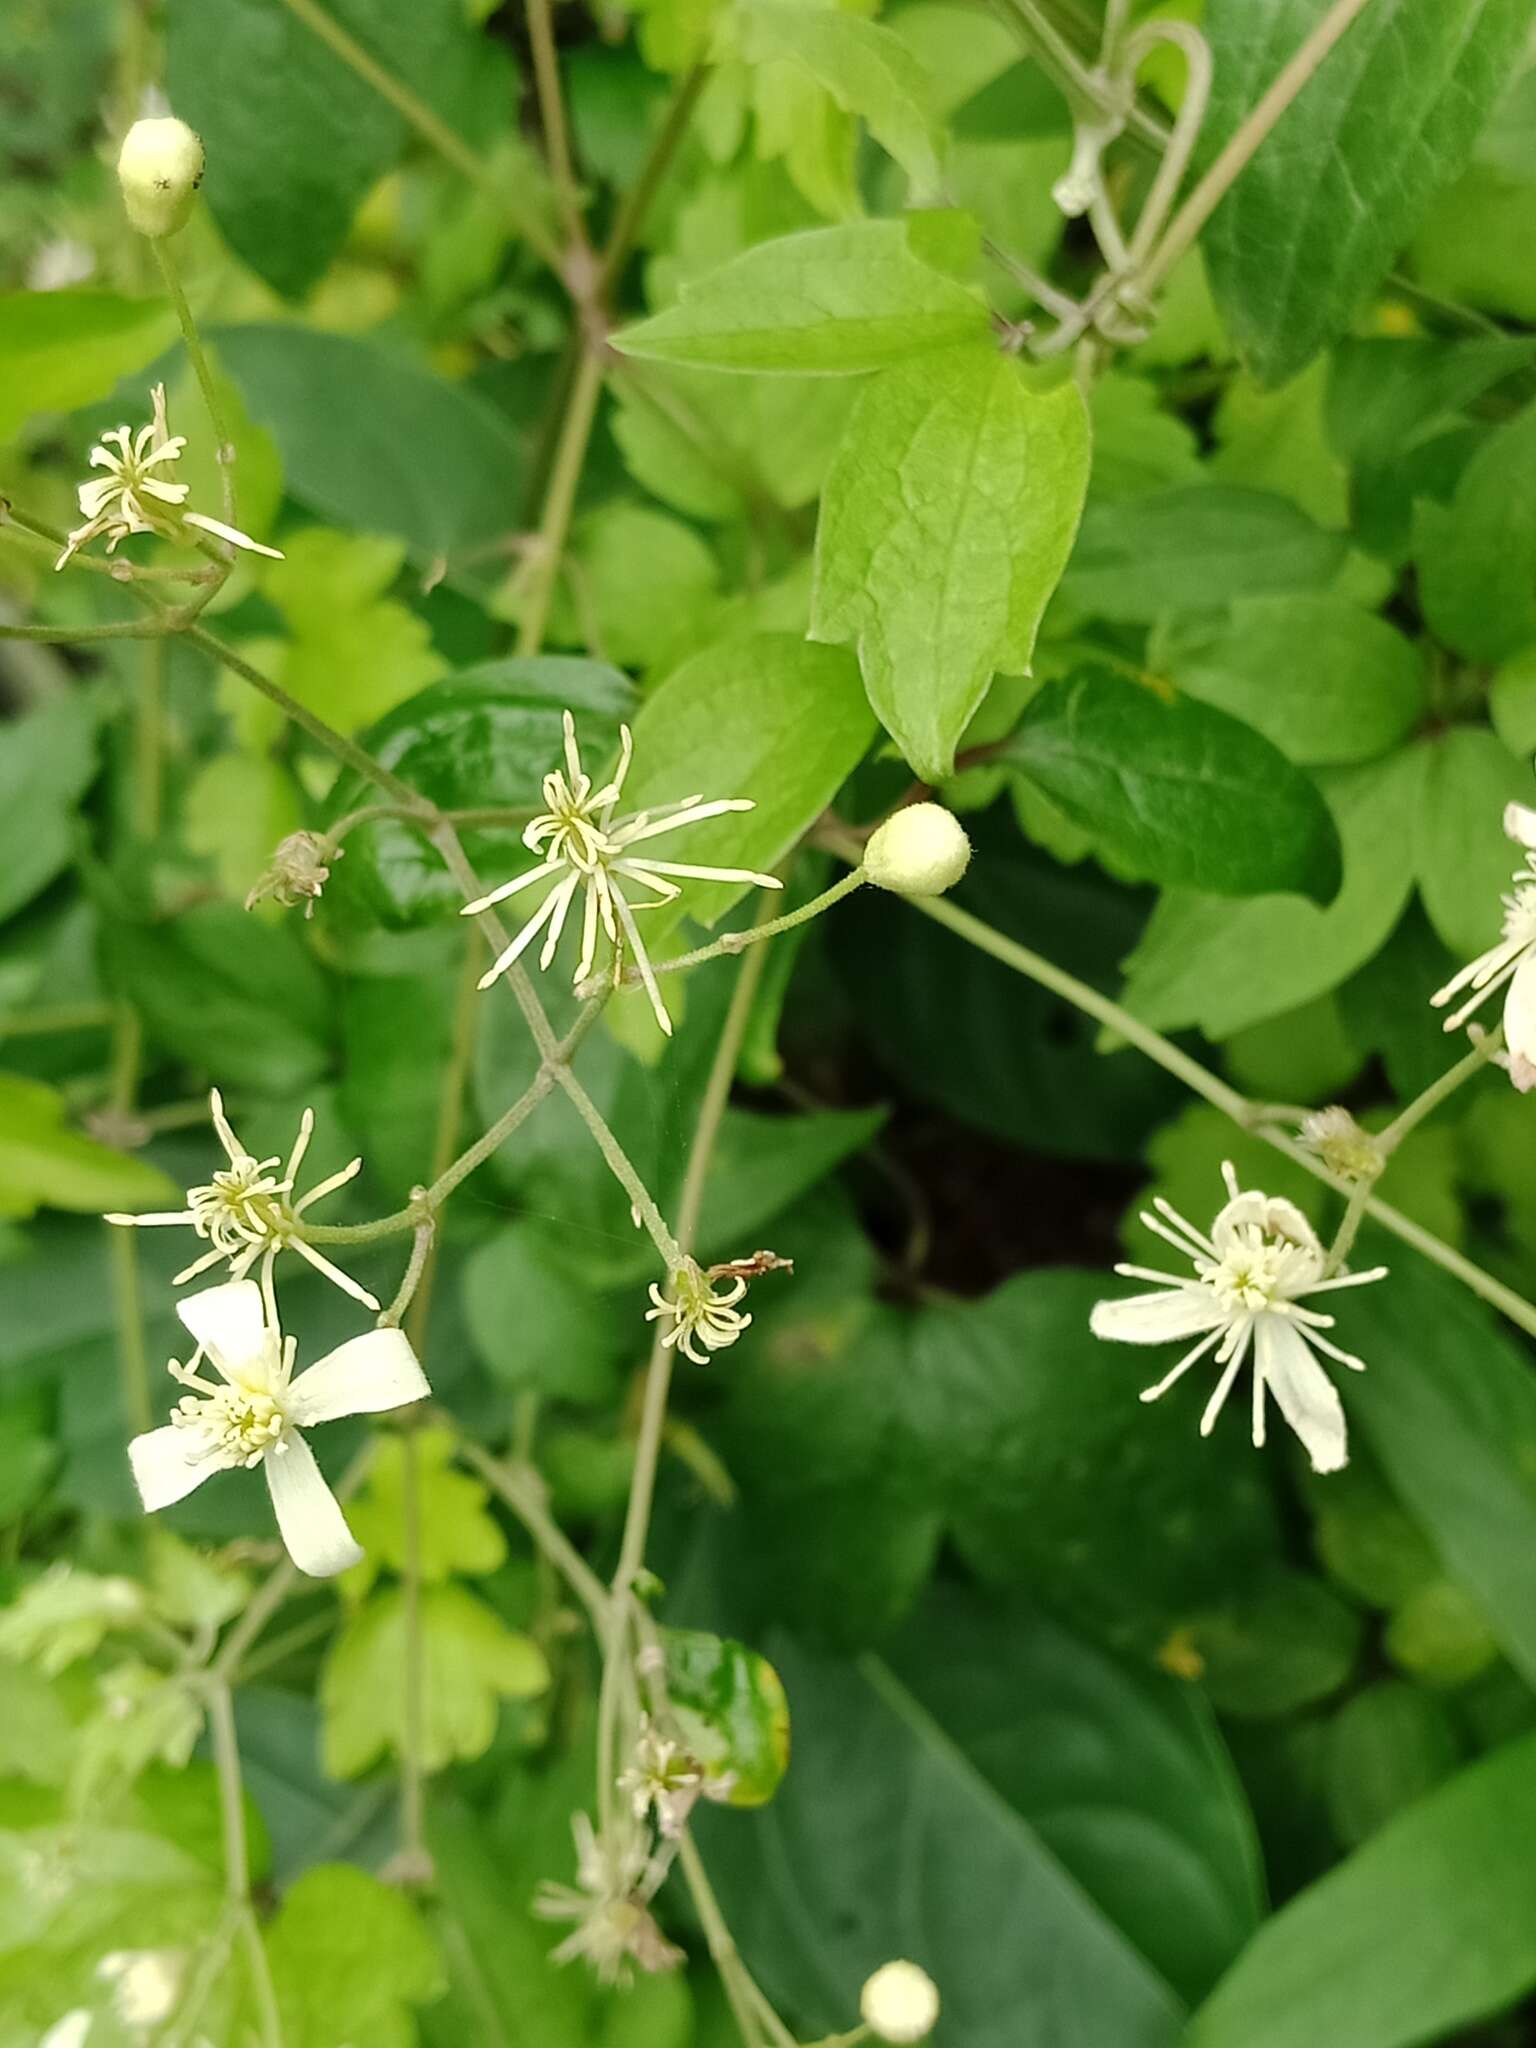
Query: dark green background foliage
x=1132 y=1739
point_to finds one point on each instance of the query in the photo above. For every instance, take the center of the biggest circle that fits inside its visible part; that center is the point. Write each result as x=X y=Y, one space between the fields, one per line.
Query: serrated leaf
x=355 y=653
x=349 y=1957
x=59 y=350
x=831 y=302
x=1180 y=792
x=731 y=1712
x=1477 y=556
x=454 y=1530
x=1388 y=119
x=866 y=68
x=946 y=520
x=43 y=1163
x=470 y=1662
x=1193 y=548
x=1326 y=682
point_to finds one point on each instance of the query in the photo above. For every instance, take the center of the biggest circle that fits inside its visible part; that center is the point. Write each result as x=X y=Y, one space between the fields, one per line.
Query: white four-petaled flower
x=255 y=1412
x=1512 y=961
x=247 y=1212
x=585 y=847
x=138 y=495
x=1252 y=1275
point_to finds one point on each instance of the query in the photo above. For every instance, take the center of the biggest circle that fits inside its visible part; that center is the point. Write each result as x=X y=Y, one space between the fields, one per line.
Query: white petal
x=229 y=1323
x=364 y=1376
x=231 y=534
x=1520 y=1012
x=1307 y=1398
x=312 y=1524
x=1520 y=823
x=162 y=1470
x=1272 y=1214
x=1159 y=1318
x=155 y=1216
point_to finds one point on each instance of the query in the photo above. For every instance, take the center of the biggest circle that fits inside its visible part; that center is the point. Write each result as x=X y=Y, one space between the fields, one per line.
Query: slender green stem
x=1349 y=1227
x=1437 y=1091
x=128 y=1306
x=746 y=2000
x=148 y=736
x=58 y=1017
x=559 y=498
x=224 y=447
x=237 y=1877
x=1196 y=52
x=520 y=1486
x=636 y=202
x=413 y=1862
x=740 y=941
x=421 y=1247
x=1239 y=151
x=434 y=131
x=119 y=629
x=622 y=1169
x=557 y=141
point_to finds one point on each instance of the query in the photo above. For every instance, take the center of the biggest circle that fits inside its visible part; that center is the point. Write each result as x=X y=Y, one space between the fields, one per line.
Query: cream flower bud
x=919 y=851
x=900 y=2002
x=159 y=168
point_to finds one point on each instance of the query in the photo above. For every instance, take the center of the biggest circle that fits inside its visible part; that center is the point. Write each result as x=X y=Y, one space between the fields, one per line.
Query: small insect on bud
x=919 y=851
x=159 y=167
x=899 y=2003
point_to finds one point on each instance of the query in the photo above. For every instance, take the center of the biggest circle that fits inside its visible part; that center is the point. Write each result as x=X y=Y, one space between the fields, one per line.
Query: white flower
x=920 y=850
x=138 y=496
x=1512 y=961
x=661 y=1775
x=616 y=1879
x=699 y=1311
x=1252 y=1273
x=254 y=1413
x=247 y=1212
x=900 y=2003
x=585 y=847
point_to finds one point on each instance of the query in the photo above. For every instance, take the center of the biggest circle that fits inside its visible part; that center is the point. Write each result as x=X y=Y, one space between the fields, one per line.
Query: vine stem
x=1248 y=1115
x=522 y=1489
x=560 y=498
x=237 y=1876
x=557 y=141
x=746 y=2001
x=740 y=941
x=224 y=447
x=1235 y=156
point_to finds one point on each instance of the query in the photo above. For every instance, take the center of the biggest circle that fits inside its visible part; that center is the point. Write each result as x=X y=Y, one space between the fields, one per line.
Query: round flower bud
x=919 y=851
x=900 y=2002
x=159 y=168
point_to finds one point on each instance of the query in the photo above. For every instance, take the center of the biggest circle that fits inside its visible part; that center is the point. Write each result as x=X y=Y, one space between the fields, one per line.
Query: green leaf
x=537 y=1325
x=1314 y=221
x=1387 y=1747
x=1283 y=1644
x=1477 y=556
x=1119 y=1768
x=1277 y=441
x=1385 y=395
x=46 y=764
x=1327 y=682
x=486 y=736
x=886 y=1840
x=731 y=1712
x=44 y=1162
x=60 y=350
x=295 y=138
x=405 y=453
x=1427 y=1929
x=1192 y=549
x=1175 y=789
x=760 y=1164
x=1222 y=966
x=831 y=301
x=946 y=519
x=867 y=69
x=1465 y=861
x=355 y=653
x=470 y=1662
x=349 y=1957
x=455 y=1532
x=763 y=716
x=639 y=584
x=238 y=807
x=67 y=1614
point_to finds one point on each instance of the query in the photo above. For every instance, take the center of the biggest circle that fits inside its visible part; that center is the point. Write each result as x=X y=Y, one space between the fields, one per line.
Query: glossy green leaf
x=887 y=1840
x=946 y=520
x=1326 y=682
x=831 y=300
x=1222 y=966
x=1192 y=549
x=731 y=1712
x=1477 y=555
x=1427 y=1929
x=295 y=138
x=44 y=1162
x=59 y=350
x=1119 y=1768
x=371 y=440
x=486 y=736
x=1175 y=789
x=1314 y=221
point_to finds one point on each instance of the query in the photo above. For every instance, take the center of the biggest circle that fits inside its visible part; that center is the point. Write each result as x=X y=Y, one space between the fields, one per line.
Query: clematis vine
x=1510 y=965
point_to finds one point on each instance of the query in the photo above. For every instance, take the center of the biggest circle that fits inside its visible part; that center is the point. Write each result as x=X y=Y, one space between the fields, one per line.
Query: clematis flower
x=1510 y=965
x=247 y=1212
x=1252 y=1275
x=138 y=495
x=699 y=1311
x=255 y=1412
x=662 y=1777
x=585 y=848
x=617 y=1876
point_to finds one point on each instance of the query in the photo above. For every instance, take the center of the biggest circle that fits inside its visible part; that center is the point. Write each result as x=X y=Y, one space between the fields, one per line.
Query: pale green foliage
x=44 y=1161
